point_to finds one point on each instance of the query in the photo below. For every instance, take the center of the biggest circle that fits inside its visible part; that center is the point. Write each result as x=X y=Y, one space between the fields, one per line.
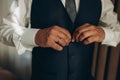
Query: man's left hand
x=88 y=34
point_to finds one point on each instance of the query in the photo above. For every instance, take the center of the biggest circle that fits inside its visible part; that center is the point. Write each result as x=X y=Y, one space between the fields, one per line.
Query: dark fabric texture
x=71 y=9
x=74 y=62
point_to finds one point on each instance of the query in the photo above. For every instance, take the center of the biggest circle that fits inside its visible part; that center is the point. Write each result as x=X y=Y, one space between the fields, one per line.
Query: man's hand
x=54 y=37
x=88 y=34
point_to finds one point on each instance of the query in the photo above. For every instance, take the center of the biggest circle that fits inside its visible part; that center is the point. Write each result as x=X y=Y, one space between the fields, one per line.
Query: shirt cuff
x=28 y=37
x=109 y=39
x=26 y=41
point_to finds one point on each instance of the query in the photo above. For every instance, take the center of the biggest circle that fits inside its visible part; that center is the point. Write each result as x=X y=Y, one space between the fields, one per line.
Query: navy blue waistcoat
x=74 y=61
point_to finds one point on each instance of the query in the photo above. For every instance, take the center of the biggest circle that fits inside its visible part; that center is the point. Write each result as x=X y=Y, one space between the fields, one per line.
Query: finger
x=60 y=41
x=73 y=37
x=77 y=34
x=63 y=38
x=56 y=46
x=85 y=28
x=78 y=31
x=84 y=25
x=87 y=34
x=90 y=40
x=65 y=32
x=58 y=35
x=63 y=42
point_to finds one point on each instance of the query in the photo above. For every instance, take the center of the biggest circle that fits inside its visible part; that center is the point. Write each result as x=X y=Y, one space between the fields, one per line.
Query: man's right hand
x=54 y=37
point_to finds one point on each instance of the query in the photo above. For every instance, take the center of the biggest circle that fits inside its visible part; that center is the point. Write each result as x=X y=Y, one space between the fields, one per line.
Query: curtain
x=106 y=60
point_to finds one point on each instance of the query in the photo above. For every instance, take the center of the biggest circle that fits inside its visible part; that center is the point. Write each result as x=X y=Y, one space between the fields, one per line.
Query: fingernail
x=73 y=40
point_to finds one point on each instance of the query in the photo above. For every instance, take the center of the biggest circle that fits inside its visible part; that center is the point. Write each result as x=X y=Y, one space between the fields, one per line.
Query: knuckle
x=63 y=43
x=83 y=34
x=50 y=33
x=51 y=30
x=96 y=31
x=67 y=39
x=54 y=27
x=67 y=30
x=93 y=27
x=56 y=46
x=88 y=40
x=77 y=32
x=87 y=24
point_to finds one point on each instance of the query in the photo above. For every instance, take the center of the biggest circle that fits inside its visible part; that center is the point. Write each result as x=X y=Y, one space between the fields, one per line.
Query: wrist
x=37 y=36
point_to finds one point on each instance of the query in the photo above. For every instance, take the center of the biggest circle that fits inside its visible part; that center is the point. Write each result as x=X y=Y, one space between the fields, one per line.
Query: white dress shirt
x=15 y=29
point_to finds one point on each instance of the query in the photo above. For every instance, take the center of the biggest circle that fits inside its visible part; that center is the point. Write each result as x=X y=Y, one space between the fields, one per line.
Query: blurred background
x=20 y=65
x=106 y=60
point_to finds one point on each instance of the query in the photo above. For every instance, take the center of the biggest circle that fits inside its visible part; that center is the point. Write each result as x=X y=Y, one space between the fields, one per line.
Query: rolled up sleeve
x=110 y=24
x=13 y=31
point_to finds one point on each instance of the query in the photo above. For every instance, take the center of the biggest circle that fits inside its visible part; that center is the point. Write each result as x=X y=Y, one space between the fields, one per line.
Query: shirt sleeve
x=13 y=31
x=110 y=24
